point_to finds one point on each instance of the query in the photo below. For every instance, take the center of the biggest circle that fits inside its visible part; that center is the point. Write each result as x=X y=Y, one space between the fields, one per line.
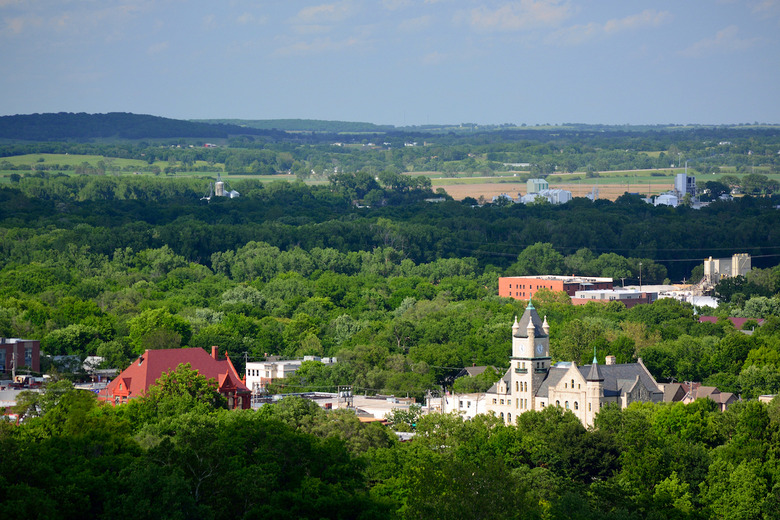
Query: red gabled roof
x=737 y=322
x=147 y=369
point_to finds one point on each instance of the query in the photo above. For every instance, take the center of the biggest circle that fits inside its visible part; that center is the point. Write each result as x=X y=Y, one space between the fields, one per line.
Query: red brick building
x=25 y=352
x=147 y=369
x=524 y=287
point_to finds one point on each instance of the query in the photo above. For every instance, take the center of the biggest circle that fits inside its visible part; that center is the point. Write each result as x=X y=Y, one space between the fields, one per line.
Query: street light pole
x=640 y=276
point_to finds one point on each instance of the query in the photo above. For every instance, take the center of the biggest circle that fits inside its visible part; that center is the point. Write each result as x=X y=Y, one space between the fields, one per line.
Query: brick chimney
x=215 y=352
x=610 y=360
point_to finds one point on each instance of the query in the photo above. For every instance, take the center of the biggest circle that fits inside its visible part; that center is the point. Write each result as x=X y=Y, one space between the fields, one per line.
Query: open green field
x=631 y=180
x=48 y=159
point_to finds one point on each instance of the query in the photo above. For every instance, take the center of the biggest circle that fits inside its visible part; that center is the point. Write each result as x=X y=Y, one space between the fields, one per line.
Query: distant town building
x=524 y=287
x=259 y=374
x=667 y=199
x=18 y=353
x=685 y=184
x=628 y=298
x=536 y=185
x=688 y=392
x=136 y=379
x=502 y=197
x=554 y=196
x=533 y=383
x=717 y=269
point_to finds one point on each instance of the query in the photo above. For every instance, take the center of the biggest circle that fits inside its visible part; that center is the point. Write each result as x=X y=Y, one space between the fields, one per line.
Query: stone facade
x=532 y=382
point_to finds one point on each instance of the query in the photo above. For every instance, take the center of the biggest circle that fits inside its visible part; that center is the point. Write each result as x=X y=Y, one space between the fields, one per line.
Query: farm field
x=488 y=190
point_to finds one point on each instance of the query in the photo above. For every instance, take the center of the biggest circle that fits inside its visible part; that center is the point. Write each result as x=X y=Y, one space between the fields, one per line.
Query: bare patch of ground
x=490 y=190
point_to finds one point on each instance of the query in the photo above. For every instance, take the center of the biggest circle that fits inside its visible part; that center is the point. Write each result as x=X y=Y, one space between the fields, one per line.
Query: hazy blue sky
x=396 y=61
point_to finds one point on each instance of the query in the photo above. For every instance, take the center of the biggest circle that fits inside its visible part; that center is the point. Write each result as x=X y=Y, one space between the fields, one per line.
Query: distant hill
x=67 y=126
x=302 y=125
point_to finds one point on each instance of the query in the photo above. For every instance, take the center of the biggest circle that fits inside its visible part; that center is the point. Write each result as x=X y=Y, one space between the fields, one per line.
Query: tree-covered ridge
x=78 y=126
x=302 y=125
x=149 y=212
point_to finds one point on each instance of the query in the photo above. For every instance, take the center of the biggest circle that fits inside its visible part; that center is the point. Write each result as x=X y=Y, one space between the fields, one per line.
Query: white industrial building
x=554 y=196
x=717 y=269
x=259 y=374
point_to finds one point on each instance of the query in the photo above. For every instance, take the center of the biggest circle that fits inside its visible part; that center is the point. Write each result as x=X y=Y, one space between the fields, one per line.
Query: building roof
x=674 y=392
x=471 y=371
x=594 y=374
x=737 y=322
x=520 y=328
x=563 y=278
x=617 y=379
x=151 y=365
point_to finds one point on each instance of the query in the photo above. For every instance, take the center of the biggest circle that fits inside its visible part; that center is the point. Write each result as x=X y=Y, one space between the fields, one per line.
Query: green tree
x=158 y=329
x=540 y=258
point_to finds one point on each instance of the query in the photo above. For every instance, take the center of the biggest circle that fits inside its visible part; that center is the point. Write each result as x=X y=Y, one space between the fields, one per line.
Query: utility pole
x=640 y=276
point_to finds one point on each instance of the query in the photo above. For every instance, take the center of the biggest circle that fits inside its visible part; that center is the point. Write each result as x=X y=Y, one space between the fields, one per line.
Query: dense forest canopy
x=402 y=293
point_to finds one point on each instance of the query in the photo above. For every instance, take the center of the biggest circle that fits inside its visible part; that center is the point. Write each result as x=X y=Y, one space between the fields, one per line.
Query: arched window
x=517 y=386
x=509 y=418
x=576 y=406
x=557 y=403
x=502 y=416
x=567 y=405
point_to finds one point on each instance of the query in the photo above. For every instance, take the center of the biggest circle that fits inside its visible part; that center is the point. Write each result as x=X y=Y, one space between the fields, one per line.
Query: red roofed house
x=147 y=369
x=737 y=322
x=690 y=391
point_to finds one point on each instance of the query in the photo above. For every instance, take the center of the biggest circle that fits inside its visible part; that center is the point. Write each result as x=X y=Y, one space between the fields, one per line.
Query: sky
x=398 y=62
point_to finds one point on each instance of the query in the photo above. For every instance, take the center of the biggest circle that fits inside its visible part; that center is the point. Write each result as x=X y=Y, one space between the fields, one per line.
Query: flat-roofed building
x=524 y=287
x=260 y=374
x=16 y=353
x=627 y=297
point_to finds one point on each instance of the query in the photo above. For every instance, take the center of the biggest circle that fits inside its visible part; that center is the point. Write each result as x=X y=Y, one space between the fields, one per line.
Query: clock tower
x=530 y=359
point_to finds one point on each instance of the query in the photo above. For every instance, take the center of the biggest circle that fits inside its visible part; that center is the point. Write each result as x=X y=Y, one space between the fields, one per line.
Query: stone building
x=533 y=382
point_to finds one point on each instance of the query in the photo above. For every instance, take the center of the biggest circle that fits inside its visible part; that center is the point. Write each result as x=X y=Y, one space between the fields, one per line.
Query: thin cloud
x=250 y=19
x=415 y=24
x=157 y=48
x=18 y=24
x=434 y=58
x=325 y=13
x=392 y=5
x=245 y=18
x=726 y=40
x=647 y=18
x=75 y=19
x=766 y=8
x=318 y=46
x=579 y=34
x=517 y=16
x=312 y=29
